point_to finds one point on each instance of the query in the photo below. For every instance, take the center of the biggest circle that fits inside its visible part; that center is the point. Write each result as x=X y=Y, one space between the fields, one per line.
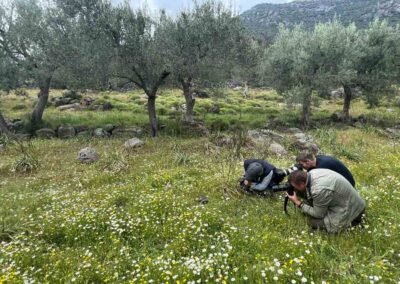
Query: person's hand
x=294 y=198
x=247 y=183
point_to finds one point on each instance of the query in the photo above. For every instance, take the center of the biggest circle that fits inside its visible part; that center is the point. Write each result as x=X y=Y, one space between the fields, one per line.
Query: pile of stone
x=68 y=131
x=15 y=124
x=302 y=141
x=268 y=138
x=72 y=100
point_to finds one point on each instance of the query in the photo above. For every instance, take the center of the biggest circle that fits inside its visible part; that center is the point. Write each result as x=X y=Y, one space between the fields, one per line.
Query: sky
x=174 y=6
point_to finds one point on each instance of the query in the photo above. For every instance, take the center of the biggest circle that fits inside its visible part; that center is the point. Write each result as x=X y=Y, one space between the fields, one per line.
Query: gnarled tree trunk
x=151 y=107
x=3 y=125
x=43 y=97
x=190 y=101
x=347 y=100
x=306 y=109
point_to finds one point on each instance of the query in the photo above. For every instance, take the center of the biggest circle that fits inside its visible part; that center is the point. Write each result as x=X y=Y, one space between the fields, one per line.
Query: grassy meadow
x=134 y=217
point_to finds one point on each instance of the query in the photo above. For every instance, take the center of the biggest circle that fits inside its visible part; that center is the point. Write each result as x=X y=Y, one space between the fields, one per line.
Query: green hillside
x=264 y=19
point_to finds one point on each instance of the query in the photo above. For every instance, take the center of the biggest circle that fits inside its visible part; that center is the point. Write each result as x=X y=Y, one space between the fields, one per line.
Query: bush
x=219 y=125
x=21 y=92
x=26 y=163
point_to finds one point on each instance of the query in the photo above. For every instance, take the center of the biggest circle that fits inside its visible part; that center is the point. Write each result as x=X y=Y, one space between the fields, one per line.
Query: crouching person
x=260 y=176
x=336 y=205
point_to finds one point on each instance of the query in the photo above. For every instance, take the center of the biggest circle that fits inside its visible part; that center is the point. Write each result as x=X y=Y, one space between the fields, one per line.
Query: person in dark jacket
x=309 y=162
x=260 y=175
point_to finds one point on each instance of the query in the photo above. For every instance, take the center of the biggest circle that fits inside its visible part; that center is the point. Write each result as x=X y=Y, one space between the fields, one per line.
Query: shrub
x=21 y=92
x=26 y=163
x=219 y=125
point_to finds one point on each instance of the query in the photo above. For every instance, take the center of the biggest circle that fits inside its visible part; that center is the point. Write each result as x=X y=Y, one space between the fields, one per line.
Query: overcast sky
x=173 y=6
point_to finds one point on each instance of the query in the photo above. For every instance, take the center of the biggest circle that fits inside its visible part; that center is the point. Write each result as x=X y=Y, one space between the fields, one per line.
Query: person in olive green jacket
x=336 y=205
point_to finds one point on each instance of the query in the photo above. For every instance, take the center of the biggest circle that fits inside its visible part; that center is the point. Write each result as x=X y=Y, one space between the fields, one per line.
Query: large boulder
x=88 y=155
x=133 y=143
x=126 y=132
x=66 y=131
x=265 y=136
x=109 y=128
x=45 y=133
x=61 y=101
x=277 y=149
x=304 y=142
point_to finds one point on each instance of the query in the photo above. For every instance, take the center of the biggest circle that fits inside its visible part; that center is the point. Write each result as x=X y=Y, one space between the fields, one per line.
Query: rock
x=277 y=149
x=294 y=130
x=358 y=124
x=393 y=132
x=81 y=128
x=300 y=136
x=126 y=132
x=100 y=133
x=337 y=117
x=75 y=106
x=62 y=101
x=237 y=88
x=88 y=155
x=65 y=131
x=109 y=128
x=304 y=143
x=264 y=136
x=84 y=133
x=133 y=143
x=45 y=133
x=16 y=124
x=202 y=199
x=215 y=109
x=71 y=94
x=86 y=102
x=107 y=106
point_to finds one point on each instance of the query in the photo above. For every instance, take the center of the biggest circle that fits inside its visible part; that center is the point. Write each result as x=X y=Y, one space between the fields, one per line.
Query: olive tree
x=140 y=53
x=378 y=65
x=202 y=47
x=40 y=39
x=290 y=68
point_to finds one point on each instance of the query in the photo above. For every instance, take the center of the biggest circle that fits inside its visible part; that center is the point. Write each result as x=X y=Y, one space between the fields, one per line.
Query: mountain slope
x=264 y=19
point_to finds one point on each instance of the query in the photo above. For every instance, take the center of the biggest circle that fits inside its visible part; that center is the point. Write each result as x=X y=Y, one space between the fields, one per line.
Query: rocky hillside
x=264 y=19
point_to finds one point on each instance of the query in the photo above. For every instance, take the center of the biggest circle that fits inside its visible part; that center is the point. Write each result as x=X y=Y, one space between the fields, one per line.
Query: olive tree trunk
x=151 y=108
x=190 y=101
x=3 y=125
x=347 y=100
x=43 y=97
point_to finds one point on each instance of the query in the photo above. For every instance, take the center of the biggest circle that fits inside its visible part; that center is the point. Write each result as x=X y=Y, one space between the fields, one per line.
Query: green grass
x=134 y=217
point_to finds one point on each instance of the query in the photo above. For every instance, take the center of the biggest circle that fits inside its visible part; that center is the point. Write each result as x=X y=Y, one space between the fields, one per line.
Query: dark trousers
x=318 y=224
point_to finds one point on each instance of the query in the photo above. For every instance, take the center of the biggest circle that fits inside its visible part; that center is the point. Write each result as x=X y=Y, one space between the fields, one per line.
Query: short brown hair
x=305 y=156
x=297 y=177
